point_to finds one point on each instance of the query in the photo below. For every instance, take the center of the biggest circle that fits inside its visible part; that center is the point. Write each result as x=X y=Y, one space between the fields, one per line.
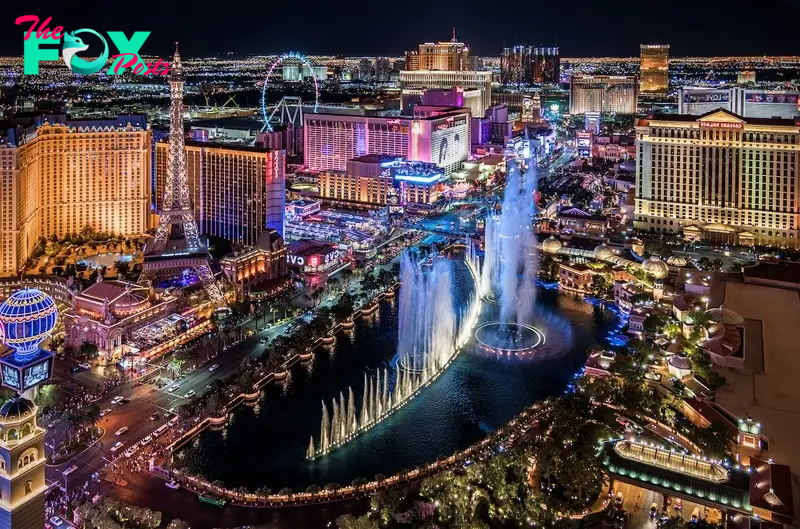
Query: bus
x=211 y=500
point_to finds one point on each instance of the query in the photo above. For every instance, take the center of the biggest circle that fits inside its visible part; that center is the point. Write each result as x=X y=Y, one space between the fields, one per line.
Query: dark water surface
x=264 y=445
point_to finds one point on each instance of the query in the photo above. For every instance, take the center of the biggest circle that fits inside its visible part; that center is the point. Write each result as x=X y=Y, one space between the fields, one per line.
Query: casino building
x=719 y=177
x=603 y=94
x=439 y=135
x=59 y=175
x=372 y=180
x=747 y=102
x=237 y=192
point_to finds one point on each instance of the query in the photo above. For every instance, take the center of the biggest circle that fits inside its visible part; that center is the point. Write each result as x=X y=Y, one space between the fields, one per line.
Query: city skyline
x=208 y=31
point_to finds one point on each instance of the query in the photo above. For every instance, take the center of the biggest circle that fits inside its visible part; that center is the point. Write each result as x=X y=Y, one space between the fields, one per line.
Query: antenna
x=454 y=35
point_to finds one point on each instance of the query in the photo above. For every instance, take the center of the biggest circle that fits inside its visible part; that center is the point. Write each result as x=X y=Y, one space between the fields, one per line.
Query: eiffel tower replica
x=176 y=245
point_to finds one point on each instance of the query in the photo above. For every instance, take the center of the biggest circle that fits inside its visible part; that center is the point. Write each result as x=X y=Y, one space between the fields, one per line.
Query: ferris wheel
x=290 y=108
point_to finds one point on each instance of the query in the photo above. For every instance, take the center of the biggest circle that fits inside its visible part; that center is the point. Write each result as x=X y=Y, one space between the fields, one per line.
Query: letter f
x=33 y=53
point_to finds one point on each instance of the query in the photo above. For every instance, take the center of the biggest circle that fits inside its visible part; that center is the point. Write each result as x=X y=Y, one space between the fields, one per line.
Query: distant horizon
x=361 y=28
x=400 y=57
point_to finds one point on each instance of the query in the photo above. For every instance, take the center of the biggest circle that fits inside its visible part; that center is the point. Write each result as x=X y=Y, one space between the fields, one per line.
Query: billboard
x=24 y=376
x=707 y=96
x=450 y=141
x=771 y=97
x=584 y=141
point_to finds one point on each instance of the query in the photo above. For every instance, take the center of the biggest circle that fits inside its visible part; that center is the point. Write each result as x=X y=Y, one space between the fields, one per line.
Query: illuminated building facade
x=546 y=66
x=515 y=65
x=237 y=192
x=654 y=68
x=107 y=312
x=438 y=135
x=720 y=177
x=369 y=180
x=412 y=60
x=414 y=83
x=603 y=94
x=451 y=56
x=746 y=102
x=61 y=175
x=264 y=264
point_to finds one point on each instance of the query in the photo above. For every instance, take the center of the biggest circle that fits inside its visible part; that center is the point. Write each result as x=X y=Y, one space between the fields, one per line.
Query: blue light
x=430 y=179
x=27 y=318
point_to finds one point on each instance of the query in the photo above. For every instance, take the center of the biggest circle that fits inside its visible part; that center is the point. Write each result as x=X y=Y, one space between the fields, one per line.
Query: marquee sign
x=721 y=125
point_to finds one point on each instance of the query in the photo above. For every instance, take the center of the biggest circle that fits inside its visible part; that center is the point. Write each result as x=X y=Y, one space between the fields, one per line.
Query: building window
x=28 y=487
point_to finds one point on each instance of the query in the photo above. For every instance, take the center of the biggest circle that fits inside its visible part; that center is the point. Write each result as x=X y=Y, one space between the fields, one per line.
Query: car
x=85 y=365
x=117 y=399
x=130 y=451
x=173 y=421
x=121 y=431
x=124 y=401
x=171 y=410
x=214 y=367
x=105 y=412
x=155 y=416
x=208 y=386
x=75 y=369
x=174 y=387
x=189 y=394
x=147 y=440
x=55 y=520
x=70 y=470
x=174 y=485
x=117 y=446
x=161 y=429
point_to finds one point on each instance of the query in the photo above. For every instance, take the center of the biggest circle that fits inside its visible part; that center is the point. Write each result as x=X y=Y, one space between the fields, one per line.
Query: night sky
x=358 y=27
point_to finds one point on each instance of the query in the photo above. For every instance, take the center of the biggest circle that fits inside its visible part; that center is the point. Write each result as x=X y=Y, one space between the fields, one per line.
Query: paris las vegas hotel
x=720 y=177
x=58 y=175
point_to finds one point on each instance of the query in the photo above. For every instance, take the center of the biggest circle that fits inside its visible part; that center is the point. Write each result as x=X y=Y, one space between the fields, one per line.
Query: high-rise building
x=515 y=65
x=414 y=83
x=602 y=93
x=747 y=102
x=546 y=66
x=440 y=136
x=720 y=177
x=365 y=70
x=382 y=69
x=452 y=56
x=236 y=192
x=412 y=60
x=61 y=175
x=654 y=68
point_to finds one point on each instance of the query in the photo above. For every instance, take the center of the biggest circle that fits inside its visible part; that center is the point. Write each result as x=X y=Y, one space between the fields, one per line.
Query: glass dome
x=27 y=318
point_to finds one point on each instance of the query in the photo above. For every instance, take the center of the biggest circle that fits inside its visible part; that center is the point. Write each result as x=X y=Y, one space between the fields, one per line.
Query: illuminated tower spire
x=177 y=232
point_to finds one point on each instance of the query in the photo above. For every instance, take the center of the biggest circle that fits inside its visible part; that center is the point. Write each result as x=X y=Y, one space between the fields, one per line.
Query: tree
x=88 y=350
x=601 y=287
x=348 y=521
x=177 y=523
x=122 y=267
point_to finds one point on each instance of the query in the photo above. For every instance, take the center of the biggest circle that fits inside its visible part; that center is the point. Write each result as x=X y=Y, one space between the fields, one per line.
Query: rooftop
x=783 y=271
x=691 y=118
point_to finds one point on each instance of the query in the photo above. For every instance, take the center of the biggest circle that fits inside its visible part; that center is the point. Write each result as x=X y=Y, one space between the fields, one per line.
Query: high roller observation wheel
x=277 y=62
